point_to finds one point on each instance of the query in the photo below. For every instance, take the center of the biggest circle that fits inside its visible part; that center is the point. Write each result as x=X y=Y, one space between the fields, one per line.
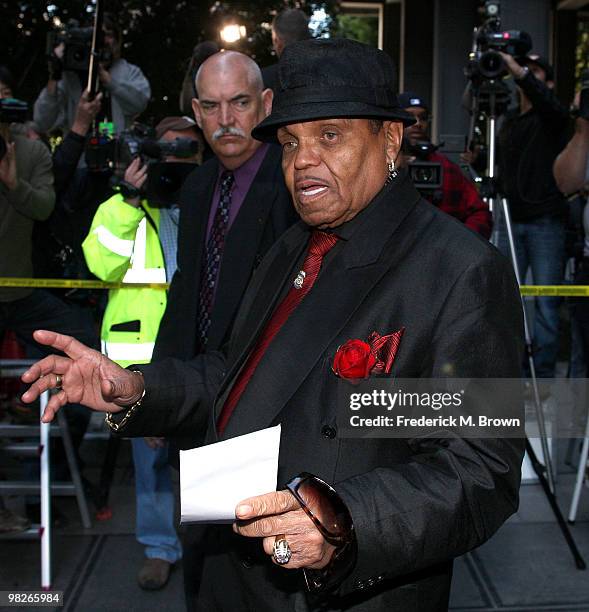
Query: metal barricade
x=10 y=368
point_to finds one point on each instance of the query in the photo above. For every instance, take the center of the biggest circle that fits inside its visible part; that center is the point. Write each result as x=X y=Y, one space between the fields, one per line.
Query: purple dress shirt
x=244 y=177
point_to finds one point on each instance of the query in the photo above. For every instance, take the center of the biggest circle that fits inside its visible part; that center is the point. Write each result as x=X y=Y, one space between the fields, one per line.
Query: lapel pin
x=299 y=280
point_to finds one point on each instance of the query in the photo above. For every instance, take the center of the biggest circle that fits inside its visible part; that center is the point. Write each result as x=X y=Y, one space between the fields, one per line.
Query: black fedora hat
x=328 y=78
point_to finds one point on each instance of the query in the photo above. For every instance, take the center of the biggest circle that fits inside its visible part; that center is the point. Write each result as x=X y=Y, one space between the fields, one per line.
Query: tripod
x=491 y=98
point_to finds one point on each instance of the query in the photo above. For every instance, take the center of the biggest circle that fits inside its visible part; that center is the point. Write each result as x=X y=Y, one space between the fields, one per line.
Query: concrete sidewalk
x=525 y=566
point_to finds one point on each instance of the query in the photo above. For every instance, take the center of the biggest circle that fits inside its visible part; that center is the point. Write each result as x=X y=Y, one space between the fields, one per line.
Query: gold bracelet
x=116 y=426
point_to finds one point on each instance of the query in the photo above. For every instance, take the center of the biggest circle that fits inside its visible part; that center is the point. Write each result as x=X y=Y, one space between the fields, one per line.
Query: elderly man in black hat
x=372 y=282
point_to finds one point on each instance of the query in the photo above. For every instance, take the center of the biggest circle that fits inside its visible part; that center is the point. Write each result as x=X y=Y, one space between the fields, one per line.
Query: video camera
x=77 y=43
x=164 y=178
x=11 y=111
x=427 y=176
x=485 y=62
x=140 y=140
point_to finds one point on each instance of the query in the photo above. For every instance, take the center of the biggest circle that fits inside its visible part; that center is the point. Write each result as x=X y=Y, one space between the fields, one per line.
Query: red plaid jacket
x=460 y=198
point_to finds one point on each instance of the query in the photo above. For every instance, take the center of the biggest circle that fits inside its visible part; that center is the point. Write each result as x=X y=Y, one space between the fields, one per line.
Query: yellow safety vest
x=123 y=245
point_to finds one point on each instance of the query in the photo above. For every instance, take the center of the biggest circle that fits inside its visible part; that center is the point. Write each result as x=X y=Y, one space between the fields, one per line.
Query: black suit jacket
x=416 y=503
x=265 y=214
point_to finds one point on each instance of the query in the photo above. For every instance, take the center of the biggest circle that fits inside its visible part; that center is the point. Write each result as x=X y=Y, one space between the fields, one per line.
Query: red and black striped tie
x=213 y=257
x=319 y=244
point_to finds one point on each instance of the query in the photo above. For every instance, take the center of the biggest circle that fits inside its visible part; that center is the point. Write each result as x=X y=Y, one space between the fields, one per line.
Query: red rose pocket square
x=357 y=359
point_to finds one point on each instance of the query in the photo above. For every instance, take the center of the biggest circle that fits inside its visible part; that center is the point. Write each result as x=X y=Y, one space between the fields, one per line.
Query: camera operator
x=529 y=140
x=68 y=153
x=79 y=191
x=458 y=196
x=135 y=226
x=26 y=196
x=125 y=87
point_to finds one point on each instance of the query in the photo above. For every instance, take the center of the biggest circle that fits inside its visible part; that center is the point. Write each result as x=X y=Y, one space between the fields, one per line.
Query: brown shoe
x=154 y=574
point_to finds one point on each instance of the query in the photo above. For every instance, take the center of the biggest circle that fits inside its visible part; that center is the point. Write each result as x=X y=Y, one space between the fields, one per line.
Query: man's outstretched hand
x=87 y=377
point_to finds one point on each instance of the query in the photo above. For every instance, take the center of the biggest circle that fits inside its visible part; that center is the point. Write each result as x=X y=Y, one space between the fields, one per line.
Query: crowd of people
x=245 y=128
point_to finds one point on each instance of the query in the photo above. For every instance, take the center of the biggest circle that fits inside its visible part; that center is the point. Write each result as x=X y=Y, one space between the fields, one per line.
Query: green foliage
x=582 y=51
x=159 y=36
x=362 y=29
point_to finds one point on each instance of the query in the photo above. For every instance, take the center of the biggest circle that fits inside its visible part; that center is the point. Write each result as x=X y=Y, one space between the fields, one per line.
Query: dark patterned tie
x=319 y=244
x=213 y=257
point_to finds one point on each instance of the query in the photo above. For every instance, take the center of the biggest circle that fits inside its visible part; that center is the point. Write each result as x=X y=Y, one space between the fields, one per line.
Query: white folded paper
x=215 y=478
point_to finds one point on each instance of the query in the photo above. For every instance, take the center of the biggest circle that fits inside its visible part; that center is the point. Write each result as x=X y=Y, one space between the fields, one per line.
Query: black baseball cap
x=409 y=99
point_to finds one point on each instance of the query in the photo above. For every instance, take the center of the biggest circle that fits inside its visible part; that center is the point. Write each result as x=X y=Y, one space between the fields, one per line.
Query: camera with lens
x=11 y=111
x=77 y=43
x=164 y=178
x=427 y=176
x=485 y=61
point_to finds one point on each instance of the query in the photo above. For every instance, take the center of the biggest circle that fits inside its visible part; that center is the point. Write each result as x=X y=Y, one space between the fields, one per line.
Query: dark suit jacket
x=265 y=214
x=416 y=503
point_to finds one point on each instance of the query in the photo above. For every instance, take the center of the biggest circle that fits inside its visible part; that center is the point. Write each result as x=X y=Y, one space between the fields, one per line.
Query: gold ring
x=281 y=552
x=58 y=381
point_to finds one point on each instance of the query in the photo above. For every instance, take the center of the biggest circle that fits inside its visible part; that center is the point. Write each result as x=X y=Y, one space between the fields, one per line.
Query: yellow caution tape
x=555 y=290
x=62 y=283
x=67 y=283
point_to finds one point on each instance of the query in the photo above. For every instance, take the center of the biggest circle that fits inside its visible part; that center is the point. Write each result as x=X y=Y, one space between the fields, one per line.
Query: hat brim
x=266 y=130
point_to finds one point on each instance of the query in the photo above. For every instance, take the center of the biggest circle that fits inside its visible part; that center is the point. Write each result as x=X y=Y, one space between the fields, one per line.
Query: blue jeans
x=155 y=525
x=539 y=245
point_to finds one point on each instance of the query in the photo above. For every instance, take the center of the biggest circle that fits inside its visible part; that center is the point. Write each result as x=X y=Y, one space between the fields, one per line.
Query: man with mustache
x=232 y=209
x=372 y=281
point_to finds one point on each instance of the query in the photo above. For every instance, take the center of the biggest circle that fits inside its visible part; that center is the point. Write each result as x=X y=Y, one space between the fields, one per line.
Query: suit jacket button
x=328 y=432
x=247 y=562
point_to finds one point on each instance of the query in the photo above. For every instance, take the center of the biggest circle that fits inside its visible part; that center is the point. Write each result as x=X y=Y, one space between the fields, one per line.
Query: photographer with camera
x=529 y=140
x=26 y=191
x=456 y=196
x=125 y=88
x=58 y=241
x=134 y=239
